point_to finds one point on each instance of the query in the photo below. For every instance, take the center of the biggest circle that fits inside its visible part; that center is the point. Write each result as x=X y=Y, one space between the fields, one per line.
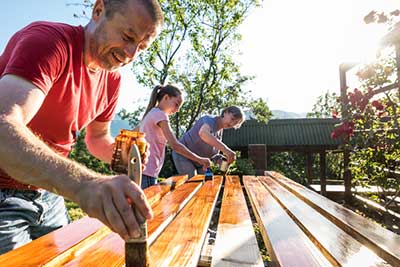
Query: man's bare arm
x=29 y=160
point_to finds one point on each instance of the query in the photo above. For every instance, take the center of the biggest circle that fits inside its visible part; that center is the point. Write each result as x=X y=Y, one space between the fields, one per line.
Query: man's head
x=119 y=31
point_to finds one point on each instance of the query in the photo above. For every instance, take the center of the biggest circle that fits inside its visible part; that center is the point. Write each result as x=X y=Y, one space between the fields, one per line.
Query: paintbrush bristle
x=136 y=254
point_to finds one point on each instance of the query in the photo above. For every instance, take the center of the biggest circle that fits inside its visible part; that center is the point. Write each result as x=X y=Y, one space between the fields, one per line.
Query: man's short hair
x=152 y=6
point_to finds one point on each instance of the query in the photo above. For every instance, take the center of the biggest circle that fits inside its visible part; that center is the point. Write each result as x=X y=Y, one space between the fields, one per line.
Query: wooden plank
x=340 y=248
x=110 y=250
x=156 y=192
x=236 y=243
x=197 y=178
x=169 y=207
x=51 y=245
x=286 y=243
x=383 y=242
x=68 y=242
x=180 y=243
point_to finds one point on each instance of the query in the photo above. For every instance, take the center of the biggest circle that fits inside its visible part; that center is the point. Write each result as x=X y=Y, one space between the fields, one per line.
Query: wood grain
x=197 y=178
x=235 y=243
x=71 y=241
x=48 y=247
x=180 y=243
x=340 y=248
x=110 y=250
x=155 y=192
x=383 y=242
x=285 y=241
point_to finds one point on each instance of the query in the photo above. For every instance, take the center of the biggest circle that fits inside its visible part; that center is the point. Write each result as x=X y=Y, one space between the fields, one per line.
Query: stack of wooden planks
x=298 y=226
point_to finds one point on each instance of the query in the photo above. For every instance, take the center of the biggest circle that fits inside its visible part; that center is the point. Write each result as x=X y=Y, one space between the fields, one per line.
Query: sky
x=293 y=48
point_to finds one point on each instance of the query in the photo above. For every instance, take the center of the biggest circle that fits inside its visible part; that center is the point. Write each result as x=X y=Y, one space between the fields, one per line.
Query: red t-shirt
x=50 y=55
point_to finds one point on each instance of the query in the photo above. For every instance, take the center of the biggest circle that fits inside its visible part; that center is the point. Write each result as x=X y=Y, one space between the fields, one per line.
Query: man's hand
x=108 y=199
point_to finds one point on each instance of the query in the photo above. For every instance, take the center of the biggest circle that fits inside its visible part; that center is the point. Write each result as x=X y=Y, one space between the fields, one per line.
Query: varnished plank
x=197 y=178
x=180 y=243
x=156 y=192
x=66 y=243
x=383 y=242
x=45 y=248
x=286 y=242
x=338 y=246
x=110 y=250
x=166 y=210
x=235 y=243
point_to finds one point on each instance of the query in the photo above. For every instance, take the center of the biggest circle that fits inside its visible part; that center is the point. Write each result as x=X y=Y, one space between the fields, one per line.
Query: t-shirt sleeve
x=210 y=122
x=160 y=116
x=113 y=87
x=39 y=57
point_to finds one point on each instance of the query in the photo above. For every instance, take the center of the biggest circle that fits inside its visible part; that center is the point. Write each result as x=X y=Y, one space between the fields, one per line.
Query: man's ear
x=98 y=10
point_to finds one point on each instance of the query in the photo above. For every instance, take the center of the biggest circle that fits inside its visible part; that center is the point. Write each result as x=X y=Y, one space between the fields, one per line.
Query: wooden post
x=309 y=168
x=397 y=45
x=322 y=171
x=258 y=154
x=345 y=115
x=347 y=177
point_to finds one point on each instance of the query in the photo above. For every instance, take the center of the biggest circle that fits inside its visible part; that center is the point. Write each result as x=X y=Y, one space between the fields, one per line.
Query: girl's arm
x=206 y=136
x=179 y=147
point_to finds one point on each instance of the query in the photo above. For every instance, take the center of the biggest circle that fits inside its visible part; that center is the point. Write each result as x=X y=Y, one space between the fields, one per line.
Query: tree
x=80 y=154
x=326 y=106
x=196 y=50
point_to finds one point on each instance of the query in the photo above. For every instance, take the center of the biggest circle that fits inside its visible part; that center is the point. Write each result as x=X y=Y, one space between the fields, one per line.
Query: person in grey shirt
x=205 y=139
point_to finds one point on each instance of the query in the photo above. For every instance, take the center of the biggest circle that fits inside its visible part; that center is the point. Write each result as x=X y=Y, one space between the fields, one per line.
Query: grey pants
x=186 y=166
x=26 y=215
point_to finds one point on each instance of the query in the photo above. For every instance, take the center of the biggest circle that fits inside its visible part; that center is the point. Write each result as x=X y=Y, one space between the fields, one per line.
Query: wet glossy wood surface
x=180 y=243
x=235 y=243
x=339 y=248
x=286 y=243
x=109 y=251
x=47 y=247
x=74 y=239
x=383 y=242
x=156 y=192
x=197 y=178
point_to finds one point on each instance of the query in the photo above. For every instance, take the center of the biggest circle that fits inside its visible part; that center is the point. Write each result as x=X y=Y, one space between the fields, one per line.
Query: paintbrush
x=136 y=249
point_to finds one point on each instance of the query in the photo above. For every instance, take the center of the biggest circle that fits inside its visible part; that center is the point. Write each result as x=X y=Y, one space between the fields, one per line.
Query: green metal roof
x=283 y=132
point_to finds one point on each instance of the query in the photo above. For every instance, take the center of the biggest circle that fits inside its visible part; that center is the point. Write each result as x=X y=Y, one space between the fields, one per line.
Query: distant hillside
x=280 y=114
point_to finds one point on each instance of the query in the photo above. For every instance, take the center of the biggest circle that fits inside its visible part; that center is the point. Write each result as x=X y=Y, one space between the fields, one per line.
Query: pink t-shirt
x=155 y=137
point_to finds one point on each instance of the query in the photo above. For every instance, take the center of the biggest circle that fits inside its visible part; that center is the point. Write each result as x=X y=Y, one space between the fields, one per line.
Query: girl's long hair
x=159 y=92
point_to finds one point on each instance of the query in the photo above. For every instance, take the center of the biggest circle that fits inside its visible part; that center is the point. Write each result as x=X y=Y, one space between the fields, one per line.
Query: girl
x=164 y=101
x=205 y=137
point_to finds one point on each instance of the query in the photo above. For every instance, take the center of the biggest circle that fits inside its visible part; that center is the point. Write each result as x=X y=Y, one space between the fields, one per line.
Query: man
x=55 y=80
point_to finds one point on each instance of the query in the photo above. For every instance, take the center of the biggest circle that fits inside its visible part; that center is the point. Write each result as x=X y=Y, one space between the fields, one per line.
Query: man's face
x=118 y=40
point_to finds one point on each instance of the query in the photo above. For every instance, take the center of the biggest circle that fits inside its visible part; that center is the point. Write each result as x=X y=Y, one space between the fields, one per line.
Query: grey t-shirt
x=192 y=140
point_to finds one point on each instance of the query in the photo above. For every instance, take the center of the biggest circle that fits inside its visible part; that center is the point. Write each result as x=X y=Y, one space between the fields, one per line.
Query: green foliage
x=325 y=107
x=74 y=211
x=132 y=117
x=372 y=122
x=80 y=154
x=241 y=166
x=260 y=110
x=376 y=141
x=168 y=168
x=291 y=164
x=196 y=50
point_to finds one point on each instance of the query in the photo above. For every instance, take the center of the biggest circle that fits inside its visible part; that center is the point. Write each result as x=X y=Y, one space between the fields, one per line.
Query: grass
x=74 y=211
